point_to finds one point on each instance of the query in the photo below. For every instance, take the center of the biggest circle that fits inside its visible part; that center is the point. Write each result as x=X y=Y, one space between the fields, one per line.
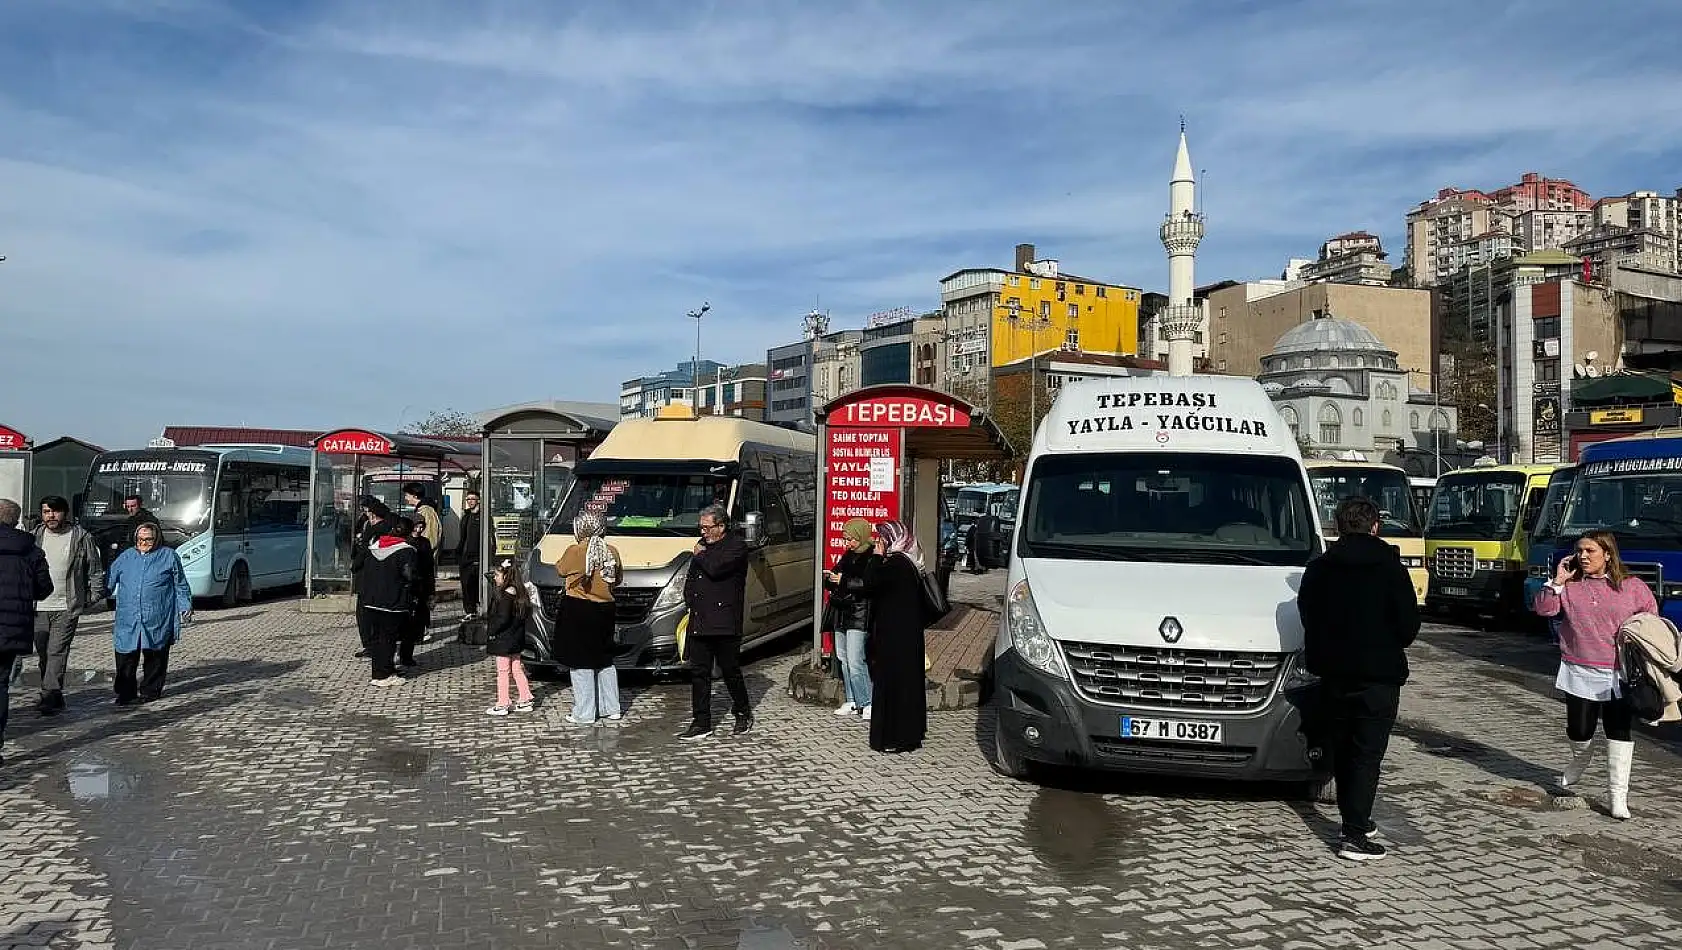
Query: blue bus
x=237 y=514
x=1547 y=545
x=1633 y=488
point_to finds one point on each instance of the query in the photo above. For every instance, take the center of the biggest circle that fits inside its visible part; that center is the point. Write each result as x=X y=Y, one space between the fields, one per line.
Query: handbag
x=935 y=604
x=1645 y=697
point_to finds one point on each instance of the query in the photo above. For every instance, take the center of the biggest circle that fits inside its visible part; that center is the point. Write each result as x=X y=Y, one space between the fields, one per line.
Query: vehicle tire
x=238 y=589
x=1008 y=763
x=1322 y=790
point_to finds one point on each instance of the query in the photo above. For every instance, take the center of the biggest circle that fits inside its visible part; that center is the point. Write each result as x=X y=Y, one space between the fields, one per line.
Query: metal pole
x=695 y=392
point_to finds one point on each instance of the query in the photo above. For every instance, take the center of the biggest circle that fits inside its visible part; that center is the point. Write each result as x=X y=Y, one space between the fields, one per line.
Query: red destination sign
x=353 y=442
x=11 y=440
x=864 y=477
x=907 y=411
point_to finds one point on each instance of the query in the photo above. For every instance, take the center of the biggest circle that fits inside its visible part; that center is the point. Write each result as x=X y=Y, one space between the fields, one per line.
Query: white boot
x=1619 y=755
x=1582 y=753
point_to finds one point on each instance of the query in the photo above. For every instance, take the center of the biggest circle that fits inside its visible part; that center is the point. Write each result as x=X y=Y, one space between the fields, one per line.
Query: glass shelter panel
x=513 y=496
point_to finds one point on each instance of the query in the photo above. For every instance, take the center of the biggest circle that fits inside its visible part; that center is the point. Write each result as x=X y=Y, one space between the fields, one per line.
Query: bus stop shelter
x=347 y=462
x=527 y=457
x=16 y=462
x=881 y=450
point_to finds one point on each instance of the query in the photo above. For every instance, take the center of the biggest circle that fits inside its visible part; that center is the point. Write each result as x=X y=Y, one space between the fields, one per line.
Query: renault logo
x=1170 y=630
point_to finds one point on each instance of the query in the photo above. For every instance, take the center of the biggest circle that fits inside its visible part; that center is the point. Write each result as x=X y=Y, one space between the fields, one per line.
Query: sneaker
x=743 y=724
x=497 y=711
x=469 y=617
x=1360 y=849
x=866 y=714
x=524 y=706
x=426 y=638
x=616 y=717
x=846 y=709
x=391 y=680
x=360 y=654
x=696 y=731
x=577 y=722
x=1372 y=829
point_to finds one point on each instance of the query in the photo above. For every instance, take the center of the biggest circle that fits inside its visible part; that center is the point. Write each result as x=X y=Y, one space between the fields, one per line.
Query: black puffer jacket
x=849 y=605
x=1358 y=611
x=24 y=580
x=717 y=588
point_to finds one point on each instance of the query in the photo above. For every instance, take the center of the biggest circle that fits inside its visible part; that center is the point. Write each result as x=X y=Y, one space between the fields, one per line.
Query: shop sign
x=902 y=411
x=1545 y=415
x=886 y=317
x=11 y=440
x=1615 y=417
x=864 y=473
x=353 y=442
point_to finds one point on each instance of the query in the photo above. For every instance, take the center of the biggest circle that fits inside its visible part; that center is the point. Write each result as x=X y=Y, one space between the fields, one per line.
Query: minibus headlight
x=672 y=594
x=1412 y=562
x=1028 y=634
x=1483 y=565
x=535 y=597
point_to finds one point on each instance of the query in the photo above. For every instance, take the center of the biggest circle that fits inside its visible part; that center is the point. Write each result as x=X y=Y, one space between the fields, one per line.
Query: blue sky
x=314 y=214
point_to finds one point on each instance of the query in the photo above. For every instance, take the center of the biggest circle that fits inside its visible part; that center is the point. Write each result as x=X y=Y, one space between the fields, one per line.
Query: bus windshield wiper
x=1101 y=551
x=1206 y=555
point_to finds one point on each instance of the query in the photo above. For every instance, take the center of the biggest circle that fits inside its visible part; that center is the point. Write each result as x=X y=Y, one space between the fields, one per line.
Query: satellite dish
x=1577 y=370
x=1591 y=355
x=1592 y=371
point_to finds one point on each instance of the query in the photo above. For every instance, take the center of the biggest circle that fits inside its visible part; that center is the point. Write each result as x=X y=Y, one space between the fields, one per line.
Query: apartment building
x=1539 y=212
x=1353 y=258
x=642 y=397
x=735 y=391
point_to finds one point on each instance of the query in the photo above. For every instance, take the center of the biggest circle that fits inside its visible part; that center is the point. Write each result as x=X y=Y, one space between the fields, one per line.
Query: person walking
x=505 y=628
x=1592 y=595
x=584 y=632
x=387 y=598
x=894 y=649
x=417 y=625
x=849 y=612
x=1359 y=616
x=153 y=604
x=78 y=587
x=467 y=555
x=715 y=590
x=25 y=580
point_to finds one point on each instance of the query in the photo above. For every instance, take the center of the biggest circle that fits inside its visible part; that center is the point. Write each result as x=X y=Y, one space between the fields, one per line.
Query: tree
x=1018 y=416
x=1468 y=381
x=450 y=423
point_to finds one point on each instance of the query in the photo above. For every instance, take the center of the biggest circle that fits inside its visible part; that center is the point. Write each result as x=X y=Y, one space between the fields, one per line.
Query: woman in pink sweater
x=1593 y=596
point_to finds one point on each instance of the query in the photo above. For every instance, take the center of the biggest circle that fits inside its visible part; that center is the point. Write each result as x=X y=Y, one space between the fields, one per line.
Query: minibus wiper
x=1102 y=551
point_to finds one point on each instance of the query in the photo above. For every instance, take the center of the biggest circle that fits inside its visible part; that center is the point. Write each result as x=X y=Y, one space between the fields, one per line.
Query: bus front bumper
x=1483 y=591
x=1042 y=719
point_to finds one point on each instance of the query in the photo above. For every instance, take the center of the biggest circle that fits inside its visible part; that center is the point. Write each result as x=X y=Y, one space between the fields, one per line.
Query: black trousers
x=470 y=587
x=362 y=628
x=384 y=630
x=6 y=662
x=150 y=683
x=414 y=627
x=726 y=653
x=1581 y=715
x=1358 y=720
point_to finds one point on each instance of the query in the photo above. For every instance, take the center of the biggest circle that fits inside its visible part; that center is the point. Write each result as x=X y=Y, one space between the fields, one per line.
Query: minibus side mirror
x=753 y=529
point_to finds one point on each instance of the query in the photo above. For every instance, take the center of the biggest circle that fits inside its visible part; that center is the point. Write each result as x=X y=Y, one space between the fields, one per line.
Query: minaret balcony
x=1181 y=233
x=1180 y=320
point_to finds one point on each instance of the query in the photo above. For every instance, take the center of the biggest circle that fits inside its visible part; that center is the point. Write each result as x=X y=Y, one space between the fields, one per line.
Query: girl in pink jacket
x=1593 y=596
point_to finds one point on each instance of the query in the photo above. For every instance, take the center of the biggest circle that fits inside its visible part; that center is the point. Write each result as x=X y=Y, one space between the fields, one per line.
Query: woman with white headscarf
x=894 y=649
x=584 y=640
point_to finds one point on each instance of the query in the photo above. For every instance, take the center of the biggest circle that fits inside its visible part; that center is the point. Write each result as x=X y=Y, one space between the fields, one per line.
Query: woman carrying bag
x=584 y=632
x=1593 y=596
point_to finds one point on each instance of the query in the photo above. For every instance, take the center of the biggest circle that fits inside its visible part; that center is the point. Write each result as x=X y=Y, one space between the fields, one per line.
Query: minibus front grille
x=1651 y=574
x=1454 y=563
x=1211 y=680
x=630 y=604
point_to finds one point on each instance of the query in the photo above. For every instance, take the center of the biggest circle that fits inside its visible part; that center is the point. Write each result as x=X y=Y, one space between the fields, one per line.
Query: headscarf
x=588 y=528
x=899 y=540
x=857 y=532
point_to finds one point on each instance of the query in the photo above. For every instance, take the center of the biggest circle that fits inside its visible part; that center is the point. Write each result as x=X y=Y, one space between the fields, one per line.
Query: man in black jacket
x=25 y=579
x=1359 y=616
x=373 y=522
x=715 y=590
x=385 y=600
x=467 y=555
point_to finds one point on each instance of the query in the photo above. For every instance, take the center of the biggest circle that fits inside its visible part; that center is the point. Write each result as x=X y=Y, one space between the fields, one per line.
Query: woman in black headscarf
x=894 y=650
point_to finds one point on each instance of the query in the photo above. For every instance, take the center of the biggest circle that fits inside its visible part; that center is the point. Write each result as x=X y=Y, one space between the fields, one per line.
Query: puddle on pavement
x=1077 y=835
x=396 y=760
x=1618 y=857
x=95 y=781
x=1529 y=798
x=769 y=935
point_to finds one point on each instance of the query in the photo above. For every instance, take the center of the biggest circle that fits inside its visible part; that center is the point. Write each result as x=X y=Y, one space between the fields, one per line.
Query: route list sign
x=864 y=474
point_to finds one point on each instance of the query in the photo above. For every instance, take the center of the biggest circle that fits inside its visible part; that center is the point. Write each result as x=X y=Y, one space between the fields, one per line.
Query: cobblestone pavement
x=273 y=800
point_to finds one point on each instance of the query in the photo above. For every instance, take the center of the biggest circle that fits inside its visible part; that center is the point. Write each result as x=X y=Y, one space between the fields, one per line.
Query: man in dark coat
x=715 y=591
x=25 y=579
x=386 y=600
x=467 y=555
x=370 y=525
x=1359 y=616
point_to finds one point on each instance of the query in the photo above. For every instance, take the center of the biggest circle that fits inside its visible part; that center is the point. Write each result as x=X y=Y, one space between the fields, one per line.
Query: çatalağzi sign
x=900 y=412
x=12 y=440
x=353 y=442
x=1163 y=422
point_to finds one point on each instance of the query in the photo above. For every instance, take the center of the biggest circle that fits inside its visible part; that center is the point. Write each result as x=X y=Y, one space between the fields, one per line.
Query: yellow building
x=997 y=317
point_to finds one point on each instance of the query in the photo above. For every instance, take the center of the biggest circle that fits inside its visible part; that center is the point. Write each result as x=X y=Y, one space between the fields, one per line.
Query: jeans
x=55 y=630
x=1359 y=717
x=855 y=675
x=7 y=661
x=595 y=693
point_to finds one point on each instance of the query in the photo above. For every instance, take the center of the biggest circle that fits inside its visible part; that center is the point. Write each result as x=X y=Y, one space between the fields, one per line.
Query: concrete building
x=894 y=352
x=1480 y=250
x=1607 y=246
x=1246 y=320
x=642 y=397
x=1465 y=305
x=997 y=317
x=1540 y=213
x=735 y=391
x=789 y=391
x=1353 y=258
x=835 y=369
x=1546 y=229
x=1544 y=329
x=1340 y=389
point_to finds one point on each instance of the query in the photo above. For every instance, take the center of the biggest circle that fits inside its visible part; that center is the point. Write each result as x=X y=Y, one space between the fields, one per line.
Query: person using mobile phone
x=1592 y=596
x=850 y=614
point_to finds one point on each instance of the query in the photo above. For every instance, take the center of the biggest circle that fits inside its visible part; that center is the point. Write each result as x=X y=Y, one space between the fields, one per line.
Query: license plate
x=1172 y=730
x=1456 y=592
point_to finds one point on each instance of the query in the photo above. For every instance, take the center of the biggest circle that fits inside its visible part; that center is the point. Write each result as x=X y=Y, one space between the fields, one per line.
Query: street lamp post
x=695 y=397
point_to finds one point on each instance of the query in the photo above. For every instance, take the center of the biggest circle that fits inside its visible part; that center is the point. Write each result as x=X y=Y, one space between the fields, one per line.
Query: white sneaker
x=845 y=709
x=391 y=680
x=616 y=717
x=867 y=714
x=497 y=711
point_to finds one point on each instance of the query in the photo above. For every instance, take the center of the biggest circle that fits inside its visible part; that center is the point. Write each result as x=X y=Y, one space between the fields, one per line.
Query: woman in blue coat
x=153 y=602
